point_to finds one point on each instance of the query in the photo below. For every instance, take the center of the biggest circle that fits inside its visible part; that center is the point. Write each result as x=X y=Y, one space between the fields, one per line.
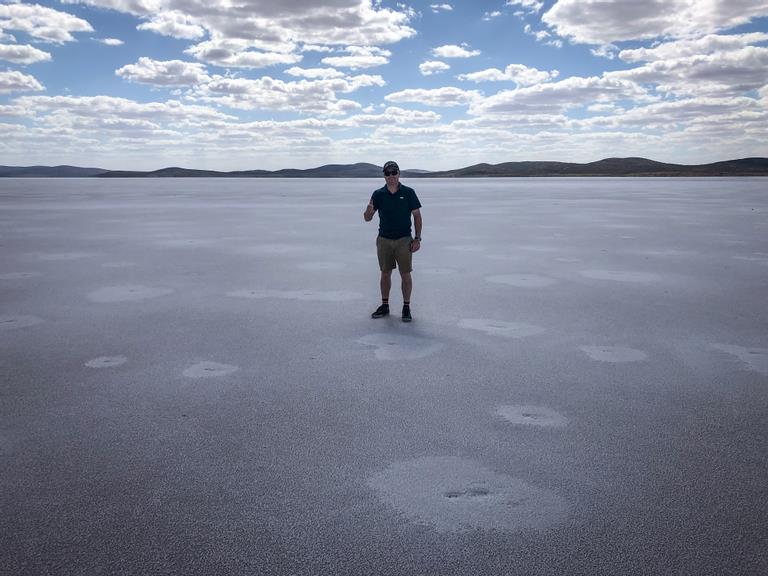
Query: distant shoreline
x=608 y=167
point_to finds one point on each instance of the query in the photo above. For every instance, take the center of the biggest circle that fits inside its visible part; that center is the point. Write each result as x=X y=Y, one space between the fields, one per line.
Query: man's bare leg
x=406 y=285
x=385 y=283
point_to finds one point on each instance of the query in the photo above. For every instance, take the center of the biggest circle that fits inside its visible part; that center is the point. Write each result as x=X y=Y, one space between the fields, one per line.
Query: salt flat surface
x=192 y=383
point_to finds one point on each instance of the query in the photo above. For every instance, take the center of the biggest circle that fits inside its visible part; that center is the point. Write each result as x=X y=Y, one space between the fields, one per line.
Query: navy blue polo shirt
x=395 y=211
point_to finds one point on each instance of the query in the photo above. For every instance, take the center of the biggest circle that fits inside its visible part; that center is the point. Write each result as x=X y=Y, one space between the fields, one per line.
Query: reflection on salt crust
x=456 y=495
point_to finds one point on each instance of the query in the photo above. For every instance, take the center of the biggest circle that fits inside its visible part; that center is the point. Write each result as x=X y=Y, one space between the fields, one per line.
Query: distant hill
x=605 y=167
x=49 y=172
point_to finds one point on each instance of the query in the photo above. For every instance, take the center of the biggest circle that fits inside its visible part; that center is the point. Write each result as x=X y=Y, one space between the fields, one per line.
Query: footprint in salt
x=454 y=494
x=621 y=275
x=209 y=370
x=400 y=346
x=501 y=328
x=129 y=293
x=614 y=353
x=756 y=359
x=106 y=362
x=522 y=280
x=303 y=295
x=532 y=416
x=13 y=322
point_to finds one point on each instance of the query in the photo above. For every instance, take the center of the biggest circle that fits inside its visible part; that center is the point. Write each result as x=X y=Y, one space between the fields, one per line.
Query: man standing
x=395 y=203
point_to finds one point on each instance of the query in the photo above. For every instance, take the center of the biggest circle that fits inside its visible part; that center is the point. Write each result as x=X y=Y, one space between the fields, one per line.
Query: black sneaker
x=406 y=313
x=381 y=311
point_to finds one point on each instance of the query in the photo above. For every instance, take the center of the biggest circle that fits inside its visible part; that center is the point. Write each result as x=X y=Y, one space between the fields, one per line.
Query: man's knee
x=386 y=273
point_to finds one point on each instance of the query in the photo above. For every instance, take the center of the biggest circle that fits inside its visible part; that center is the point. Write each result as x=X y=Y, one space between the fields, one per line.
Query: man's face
x=392 y=176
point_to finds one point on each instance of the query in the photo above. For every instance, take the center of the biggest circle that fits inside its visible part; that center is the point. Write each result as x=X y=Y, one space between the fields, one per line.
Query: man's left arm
x=416 y=243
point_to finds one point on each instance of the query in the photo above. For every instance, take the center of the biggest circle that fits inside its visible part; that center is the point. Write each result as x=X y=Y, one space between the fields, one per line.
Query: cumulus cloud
x=447 y=96
x=266 y=93
x=725 y=73
x=441 y=7
x=15 y=81
x=692 y=47
x=22 y=54
x=433 y=67
x=42 y=23
x=454 y=51
x=359 y=57
x=237 y=54
x=491 y=15
x=110 y=41
x=314 y=72
x=175 y=24
x=556 y=97
x=163 y=73
x=603 y=22
x=530 y=5
x=520 y=74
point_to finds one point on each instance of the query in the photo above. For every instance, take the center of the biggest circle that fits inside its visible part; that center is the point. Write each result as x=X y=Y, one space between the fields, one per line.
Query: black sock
x=406 y=304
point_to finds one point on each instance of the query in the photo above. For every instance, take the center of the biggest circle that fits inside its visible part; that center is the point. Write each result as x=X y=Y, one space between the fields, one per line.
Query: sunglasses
x=388 y=173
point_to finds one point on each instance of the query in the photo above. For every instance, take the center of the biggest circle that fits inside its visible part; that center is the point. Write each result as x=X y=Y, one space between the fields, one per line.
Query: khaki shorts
x=394 y=251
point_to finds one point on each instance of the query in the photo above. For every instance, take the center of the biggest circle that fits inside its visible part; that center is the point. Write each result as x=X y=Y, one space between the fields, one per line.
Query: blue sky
x=246 y=84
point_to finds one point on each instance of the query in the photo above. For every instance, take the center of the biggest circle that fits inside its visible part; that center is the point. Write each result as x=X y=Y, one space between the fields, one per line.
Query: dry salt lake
x=191 y=383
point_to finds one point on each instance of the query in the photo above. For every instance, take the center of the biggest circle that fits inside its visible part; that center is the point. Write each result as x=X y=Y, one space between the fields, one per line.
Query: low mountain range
x=606 y=167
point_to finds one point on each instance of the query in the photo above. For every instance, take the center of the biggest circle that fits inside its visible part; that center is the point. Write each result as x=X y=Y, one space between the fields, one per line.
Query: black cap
x=391 y=164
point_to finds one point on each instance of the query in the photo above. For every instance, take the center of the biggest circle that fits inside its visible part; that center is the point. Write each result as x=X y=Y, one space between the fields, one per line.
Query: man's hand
x=369 y=212
x=415 y=245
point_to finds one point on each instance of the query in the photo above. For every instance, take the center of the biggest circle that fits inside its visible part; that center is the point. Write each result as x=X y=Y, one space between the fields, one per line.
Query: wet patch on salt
x=501 y=328
x=130 y=293
x=532 y=416
x=65 y=256
x=19 y=275
x=522 y=280
x=614 y=353
x=306 y=295
x=320 y=266
x=209 y=370
x=456 y=495
x=15 y=321
x=756 y=359
x=400 y=346
x=106 y=362
x=621 y=275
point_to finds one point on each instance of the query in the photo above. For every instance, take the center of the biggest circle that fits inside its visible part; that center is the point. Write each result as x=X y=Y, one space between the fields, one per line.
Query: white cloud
x=531 y=5
x=175 y=24
x=110 y=41
x=22 y=54
x=266 y=93
x=454 y=51
x=491 y=15
x=724 y=73
x=603 y=22
x=359 y=57
x=40 y=22
x=237 y=54
x=520 y=74
x=14 y=81
x=164 y=73
x=314 y=72
x=273 y=24
x=447 y=96
x=438 y=7
x=692 y=47
x=556 y=97
x=433 y=67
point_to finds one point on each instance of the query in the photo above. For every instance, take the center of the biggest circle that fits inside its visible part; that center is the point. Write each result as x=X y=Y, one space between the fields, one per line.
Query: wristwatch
x=418 y=238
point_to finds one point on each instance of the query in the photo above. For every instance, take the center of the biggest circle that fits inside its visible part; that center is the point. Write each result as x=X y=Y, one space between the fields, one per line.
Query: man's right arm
x=369 y=211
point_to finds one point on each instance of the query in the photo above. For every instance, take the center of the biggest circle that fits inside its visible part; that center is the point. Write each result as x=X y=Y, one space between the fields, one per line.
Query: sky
x=265 y=84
